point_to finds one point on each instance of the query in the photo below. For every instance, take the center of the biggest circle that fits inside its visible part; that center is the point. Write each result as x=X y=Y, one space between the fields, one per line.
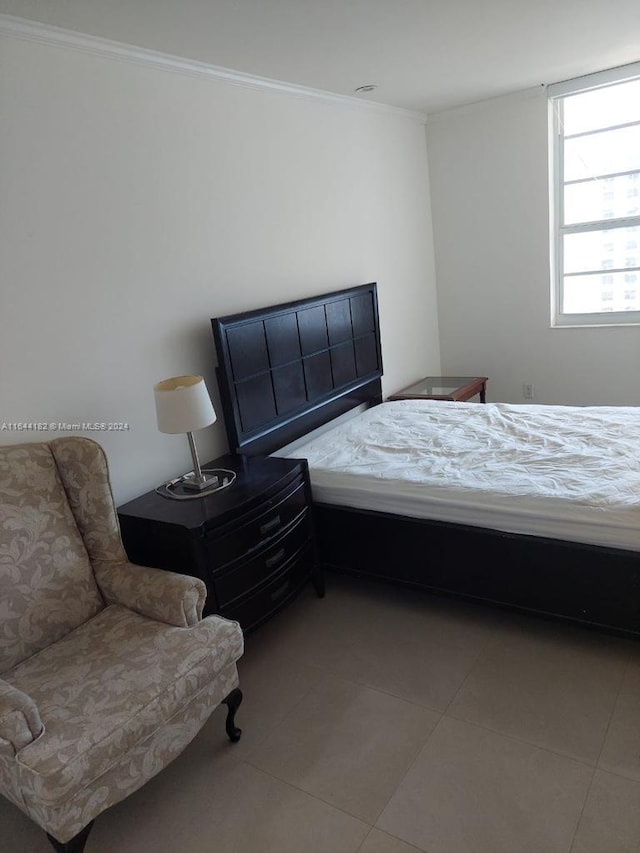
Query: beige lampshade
x=183 y=404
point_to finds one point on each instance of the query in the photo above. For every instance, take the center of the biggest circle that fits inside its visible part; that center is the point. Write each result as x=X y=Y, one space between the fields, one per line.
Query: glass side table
x=455 y=388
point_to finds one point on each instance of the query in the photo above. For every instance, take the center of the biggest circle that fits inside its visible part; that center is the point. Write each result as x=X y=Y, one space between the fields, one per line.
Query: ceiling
x=425 y=55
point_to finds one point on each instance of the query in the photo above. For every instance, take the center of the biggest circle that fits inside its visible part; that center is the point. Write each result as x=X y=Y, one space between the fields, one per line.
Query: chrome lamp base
x=181 y=489
x=198 y=484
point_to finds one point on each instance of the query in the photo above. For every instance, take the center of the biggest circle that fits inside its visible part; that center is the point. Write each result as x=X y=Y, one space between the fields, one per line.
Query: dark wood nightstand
x=252 y=543
x=456 y=388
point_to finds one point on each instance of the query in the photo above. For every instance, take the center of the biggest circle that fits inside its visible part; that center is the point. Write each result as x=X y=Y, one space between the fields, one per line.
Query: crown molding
x=27 y=30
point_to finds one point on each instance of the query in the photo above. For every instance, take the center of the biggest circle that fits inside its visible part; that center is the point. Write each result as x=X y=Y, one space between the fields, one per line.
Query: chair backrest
x=47 y=586
x=84 y=471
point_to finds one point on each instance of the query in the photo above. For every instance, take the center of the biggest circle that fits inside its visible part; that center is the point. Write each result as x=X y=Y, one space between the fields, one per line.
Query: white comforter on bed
x=560 y=471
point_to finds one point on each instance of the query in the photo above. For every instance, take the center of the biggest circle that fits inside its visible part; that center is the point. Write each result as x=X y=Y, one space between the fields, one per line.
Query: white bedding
x=564 y=472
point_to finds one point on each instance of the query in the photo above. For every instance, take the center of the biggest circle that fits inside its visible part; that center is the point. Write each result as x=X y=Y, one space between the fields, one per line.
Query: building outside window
x=596 y=169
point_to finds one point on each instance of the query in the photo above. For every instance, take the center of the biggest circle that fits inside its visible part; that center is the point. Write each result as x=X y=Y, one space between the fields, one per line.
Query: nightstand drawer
x=246 y=575
x=243 y=542
x=283 y=509
x=254 y=608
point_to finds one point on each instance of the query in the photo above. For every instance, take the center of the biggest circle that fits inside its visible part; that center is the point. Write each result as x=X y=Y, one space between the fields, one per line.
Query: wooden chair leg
x=232 y=701
x=75 y=844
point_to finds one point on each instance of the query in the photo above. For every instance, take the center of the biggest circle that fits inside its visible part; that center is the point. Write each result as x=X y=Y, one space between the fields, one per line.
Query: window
x=596 y=169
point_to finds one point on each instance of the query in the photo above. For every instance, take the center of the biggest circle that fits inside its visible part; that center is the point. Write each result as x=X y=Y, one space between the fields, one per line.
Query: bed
x=530 y=507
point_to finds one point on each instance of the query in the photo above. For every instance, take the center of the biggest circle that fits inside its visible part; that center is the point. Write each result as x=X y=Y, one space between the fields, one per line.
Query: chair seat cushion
x=110 y=684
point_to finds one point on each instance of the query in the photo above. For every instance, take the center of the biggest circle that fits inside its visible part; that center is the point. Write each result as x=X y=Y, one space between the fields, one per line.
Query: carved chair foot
x=75 y=844
x=232 y=701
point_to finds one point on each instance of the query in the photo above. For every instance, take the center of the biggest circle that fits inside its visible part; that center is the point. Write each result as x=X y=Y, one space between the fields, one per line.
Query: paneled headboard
x=287 y=369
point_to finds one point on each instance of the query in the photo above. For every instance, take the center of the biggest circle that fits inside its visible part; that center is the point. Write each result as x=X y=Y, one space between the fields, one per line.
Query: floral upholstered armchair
x=107 y=669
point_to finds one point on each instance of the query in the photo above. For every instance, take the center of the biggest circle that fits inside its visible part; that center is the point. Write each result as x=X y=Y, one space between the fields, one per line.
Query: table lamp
x=183 y=405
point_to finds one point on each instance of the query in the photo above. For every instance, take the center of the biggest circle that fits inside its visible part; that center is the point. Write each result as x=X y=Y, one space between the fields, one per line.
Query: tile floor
x=381 y=720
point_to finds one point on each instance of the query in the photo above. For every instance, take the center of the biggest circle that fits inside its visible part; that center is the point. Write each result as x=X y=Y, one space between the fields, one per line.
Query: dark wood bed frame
x=288 y=369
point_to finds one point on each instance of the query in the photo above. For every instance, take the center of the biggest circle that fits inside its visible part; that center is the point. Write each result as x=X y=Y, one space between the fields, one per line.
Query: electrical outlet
x=527 y=391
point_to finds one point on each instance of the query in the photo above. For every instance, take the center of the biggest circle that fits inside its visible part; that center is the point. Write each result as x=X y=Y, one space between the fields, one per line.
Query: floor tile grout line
x=313 y=688
x=604 y=738
x=339 y=677
x=364 y=840
x=614 y=706
x=248 y=760
x=597 y=763
x=308 y=794
x=410 y=765
x=448 y=714
x=331 y=671
x=493 y=638
x=590 y=767
x=522 y=740
x=584 y=805
x=489 y=641
x=401 y=840
x=271 y=729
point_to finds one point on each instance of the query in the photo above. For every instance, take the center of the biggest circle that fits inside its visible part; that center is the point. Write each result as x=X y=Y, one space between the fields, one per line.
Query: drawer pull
x=272 y=561
x=278 y=593
x=269 y=525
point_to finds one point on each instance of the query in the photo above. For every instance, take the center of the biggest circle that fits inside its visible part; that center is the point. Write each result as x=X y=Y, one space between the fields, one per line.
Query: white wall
x=137 y=203
x=489 y=196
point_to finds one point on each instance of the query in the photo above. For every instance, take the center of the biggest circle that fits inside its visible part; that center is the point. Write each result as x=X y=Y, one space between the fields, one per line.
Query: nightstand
x=455 y=388
x=252 y=543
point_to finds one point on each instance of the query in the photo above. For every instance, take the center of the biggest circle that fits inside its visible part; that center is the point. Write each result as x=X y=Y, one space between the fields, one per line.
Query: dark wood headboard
x=286 y=370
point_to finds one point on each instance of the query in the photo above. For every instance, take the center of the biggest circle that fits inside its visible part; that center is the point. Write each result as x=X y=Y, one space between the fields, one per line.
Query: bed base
x=592 y=585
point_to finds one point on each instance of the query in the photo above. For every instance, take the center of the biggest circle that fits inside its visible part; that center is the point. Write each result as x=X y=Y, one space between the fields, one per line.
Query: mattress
x=564 y=472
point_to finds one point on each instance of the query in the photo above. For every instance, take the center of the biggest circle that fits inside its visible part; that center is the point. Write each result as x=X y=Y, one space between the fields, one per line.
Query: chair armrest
x=20 y=722
x=165 y=596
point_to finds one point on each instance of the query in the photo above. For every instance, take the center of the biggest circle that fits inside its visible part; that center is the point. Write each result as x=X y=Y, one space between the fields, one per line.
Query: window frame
x=556 y=94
